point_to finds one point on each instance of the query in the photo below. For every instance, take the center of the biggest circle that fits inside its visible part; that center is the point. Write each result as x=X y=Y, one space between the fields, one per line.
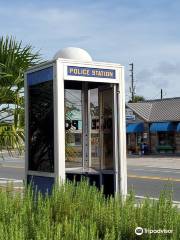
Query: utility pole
x=161 y=94
x=132 y=88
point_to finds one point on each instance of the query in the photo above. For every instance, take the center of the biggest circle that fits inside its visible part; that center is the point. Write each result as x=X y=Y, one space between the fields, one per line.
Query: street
x=148 y=176
x=148 y=181
x=144 y=179
x=11 y=170
x=153 y=187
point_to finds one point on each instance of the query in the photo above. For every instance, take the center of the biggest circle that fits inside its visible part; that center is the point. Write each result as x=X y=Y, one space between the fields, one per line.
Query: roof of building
x=160 y=110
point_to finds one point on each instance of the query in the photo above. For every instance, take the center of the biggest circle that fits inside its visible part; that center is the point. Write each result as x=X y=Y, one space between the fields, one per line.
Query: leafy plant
x=14 y=60
x=78 y=211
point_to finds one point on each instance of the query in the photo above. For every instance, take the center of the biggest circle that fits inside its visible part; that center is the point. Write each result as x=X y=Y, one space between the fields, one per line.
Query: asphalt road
x=150 y=181
x=12 y=173
x=153 y=187
x=154 y=173
x=145 y=181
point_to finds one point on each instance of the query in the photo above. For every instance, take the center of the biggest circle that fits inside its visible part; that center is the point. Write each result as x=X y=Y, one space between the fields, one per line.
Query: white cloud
x=145 y=34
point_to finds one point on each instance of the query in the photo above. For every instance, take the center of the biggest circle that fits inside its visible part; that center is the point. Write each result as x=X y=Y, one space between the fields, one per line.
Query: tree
x=137 y=99
x=14 y=60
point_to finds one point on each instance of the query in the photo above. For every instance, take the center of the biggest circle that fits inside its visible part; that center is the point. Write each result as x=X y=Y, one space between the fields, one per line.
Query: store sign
x=91 y=72
x=129 y=111
x=145 y=135
x=130 y=117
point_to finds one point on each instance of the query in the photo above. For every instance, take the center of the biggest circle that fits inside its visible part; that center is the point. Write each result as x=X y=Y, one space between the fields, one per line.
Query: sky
x=146 y=33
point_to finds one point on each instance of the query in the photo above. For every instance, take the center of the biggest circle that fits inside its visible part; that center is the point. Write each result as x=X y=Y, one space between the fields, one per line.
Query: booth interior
x=88 y=131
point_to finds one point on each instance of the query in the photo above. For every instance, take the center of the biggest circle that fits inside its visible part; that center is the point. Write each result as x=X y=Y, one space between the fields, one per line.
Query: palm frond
x=14 y=61
x=11 y=138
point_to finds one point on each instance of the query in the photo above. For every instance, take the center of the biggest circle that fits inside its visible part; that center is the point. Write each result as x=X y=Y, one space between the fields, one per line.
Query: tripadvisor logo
x=139 y=231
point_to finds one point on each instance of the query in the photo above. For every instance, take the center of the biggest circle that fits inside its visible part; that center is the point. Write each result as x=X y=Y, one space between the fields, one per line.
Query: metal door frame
x=86 y=132
x=85 y=125
x=115 y=121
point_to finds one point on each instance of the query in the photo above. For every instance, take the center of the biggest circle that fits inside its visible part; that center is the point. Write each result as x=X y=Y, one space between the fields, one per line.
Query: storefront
x=156 y=124
x=165 y=136
x=134 y=133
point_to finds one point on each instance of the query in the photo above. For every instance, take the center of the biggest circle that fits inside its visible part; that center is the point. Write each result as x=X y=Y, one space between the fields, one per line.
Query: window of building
x=139 y=138
x=166 y=138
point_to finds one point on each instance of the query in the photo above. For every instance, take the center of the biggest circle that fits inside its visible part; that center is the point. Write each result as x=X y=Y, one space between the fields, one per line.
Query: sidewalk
x=156 y=161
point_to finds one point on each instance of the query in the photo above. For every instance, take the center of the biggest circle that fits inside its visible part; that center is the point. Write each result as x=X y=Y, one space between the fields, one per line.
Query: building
x=155 y=123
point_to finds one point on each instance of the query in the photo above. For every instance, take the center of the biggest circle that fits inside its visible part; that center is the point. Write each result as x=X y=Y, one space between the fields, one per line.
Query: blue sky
x=143 y=32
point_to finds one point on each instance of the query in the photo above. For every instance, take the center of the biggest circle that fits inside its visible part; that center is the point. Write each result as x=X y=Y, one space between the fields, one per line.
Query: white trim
x=75 y=62
x=55 y=119
x=89 y=171
x=115 y=140
x=59 y=127
x=26 y=126
x=122 y=136
x=87 y=79
x=41 y=174
x=93 y=63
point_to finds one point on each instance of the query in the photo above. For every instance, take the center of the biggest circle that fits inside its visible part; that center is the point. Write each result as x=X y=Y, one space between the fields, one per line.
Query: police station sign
x=91 y=72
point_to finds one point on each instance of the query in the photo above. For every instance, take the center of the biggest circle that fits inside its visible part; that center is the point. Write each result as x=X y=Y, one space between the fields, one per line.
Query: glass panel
x=95 y=138
x=41 y=127
x=166 y=138
x=107 y=129
x=73 y=128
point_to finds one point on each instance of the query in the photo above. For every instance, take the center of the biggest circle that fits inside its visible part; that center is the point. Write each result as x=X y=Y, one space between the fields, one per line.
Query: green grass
x=83 y=213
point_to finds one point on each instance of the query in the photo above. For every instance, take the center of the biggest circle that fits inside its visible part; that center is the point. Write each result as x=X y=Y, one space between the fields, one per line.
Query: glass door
x=91 y=133
x=89 y=127
x=106 y=127
x=94 y=129
x=73 y=128
x=101 y=129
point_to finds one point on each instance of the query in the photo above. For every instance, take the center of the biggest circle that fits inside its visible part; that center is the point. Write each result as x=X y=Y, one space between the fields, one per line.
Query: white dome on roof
x=73 y=53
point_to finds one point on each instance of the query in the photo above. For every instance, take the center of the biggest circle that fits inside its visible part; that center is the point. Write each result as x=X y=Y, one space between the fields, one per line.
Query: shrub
x=80 y=212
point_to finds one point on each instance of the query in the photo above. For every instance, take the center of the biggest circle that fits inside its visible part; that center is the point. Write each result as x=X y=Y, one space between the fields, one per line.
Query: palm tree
x=14 y=60
x=137 y=98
